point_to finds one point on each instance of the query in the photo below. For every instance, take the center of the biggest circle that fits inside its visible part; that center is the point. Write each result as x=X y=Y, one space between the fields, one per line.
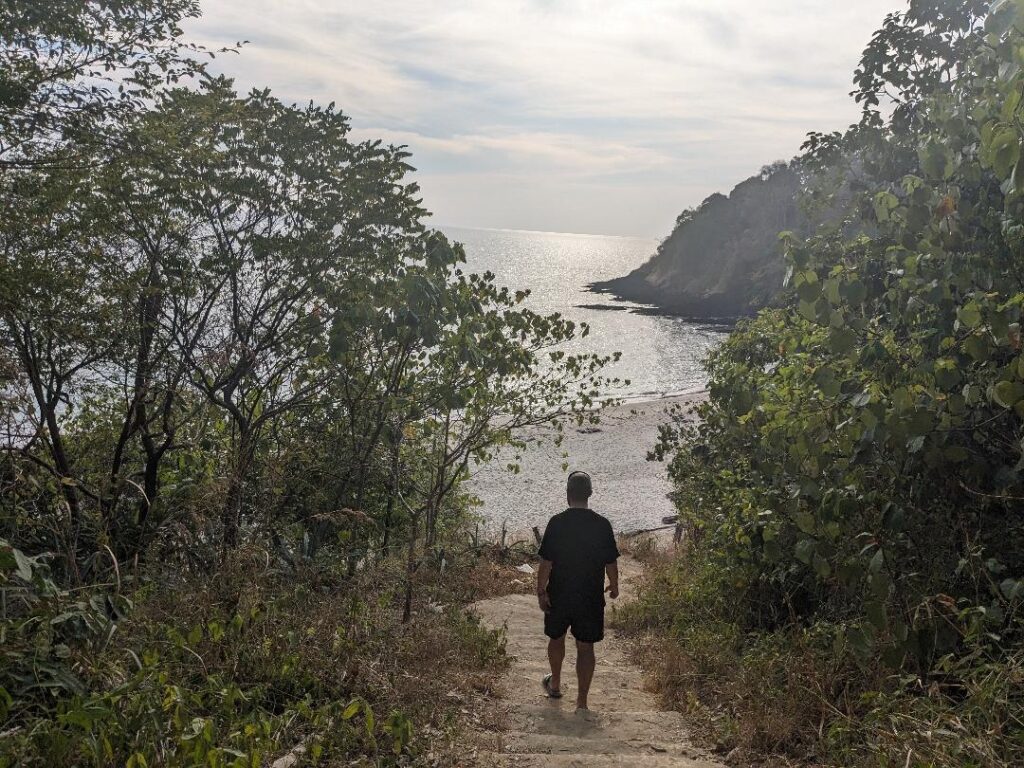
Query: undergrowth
x=797 y=695
x=241 y=666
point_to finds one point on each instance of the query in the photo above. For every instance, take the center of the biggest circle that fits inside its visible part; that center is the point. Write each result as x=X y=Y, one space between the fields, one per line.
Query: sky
x=601 y=117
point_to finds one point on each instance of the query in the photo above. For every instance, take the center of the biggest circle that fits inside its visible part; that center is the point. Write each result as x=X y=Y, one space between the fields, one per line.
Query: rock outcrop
x=723 y=259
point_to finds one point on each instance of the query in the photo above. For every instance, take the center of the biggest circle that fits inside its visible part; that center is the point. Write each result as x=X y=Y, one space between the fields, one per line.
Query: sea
x=661 y=355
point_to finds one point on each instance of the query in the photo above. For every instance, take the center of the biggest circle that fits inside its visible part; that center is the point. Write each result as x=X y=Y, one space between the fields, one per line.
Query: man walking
x=577 y=550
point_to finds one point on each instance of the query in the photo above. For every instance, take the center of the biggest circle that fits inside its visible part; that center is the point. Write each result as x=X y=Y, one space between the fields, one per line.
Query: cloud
x=527 y=153
x=582 y=98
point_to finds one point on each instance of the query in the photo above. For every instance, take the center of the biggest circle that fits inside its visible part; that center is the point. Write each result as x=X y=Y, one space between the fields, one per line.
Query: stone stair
x=629 y=728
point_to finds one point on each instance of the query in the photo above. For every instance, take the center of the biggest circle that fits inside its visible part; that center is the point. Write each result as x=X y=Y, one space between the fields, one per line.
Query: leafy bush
x=230 y=671
x=46 y=632
x=855 y=477
x=799 y=692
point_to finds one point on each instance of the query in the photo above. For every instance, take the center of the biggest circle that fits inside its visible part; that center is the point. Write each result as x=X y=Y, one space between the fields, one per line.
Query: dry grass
x=652 y=549
x=491 y=570
x=787 y=698
x=760 y=701
x=767 y=711
x=312 y=633
x=486 y=579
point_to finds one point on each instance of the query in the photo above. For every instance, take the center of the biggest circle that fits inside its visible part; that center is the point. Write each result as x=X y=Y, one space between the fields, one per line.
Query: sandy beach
x=629 y=490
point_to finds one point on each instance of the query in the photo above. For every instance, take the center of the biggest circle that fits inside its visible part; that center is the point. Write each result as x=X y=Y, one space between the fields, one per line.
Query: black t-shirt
x=579 y=543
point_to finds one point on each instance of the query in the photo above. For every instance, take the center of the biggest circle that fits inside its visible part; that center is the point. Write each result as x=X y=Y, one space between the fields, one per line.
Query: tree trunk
x=135 y=418
x=231 y=516
x=393 y=493
x=410 y=568
x=67 y=486
x=431 y=532
x=150 y=486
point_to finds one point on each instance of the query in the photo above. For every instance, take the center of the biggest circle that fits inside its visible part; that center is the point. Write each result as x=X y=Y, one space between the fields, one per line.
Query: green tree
x=61 y=302
x=858 y=464
x=72 y=72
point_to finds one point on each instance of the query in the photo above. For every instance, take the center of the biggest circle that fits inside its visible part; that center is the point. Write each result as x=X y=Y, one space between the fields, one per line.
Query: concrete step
x=595 y=761
x=542 y=730
x=629 y=732
x=560 y=717
x=607 y=694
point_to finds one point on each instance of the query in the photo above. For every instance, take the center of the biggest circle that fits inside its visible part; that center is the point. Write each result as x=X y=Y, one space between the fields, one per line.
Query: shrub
x=228 y=670
x=854 y=479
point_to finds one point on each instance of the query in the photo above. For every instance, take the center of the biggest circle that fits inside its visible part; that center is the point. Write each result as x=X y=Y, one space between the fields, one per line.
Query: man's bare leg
x=585 y=663
x=556 y=653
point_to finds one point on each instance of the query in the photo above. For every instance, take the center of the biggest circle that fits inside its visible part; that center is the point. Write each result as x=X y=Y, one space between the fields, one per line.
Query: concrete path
x=630 y=729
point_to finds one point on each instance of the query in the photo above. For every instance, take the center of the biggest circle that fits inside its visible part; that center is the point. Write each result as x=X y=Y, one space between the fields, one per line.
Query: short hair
x=578 y=486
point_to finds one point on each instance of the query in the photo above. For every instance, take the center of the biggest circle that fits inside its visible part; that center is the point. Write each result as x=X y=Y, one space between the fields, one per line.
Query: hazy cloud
x=576 y=115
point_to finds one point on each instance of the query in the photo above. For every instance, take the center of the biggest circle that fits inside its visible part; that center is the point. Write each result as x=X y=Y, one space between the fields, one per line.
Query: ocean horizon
x=661 y=354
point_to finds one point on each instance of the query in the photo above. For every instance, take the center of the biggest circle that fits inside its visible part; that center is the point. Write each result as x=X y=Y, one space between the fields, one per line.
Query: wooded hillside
x=854 y=484
x=723 y=258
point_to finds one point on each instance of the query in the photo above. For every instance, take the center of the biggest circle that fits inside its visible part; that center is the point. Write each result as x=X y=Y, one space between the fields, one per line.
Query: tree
x=885 y=401
x=481 y=383
x=286 y=209
x=72 y=72
x=61 y=302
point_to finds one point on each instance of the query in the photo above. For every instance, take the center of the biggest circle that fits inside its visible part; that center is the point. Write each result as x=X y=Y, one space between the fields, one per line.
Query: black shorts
x=586 y=622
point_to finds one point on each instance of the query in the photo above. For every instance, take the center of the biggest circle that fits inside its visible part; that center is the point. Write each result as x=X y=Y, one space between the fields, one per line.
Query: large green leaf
x=1008 y=393
x=804 y=550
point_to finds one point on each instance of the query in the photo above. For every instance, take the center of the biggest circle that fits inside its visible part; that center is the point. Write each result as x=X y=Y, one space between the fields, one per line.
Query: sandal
x=552 y=693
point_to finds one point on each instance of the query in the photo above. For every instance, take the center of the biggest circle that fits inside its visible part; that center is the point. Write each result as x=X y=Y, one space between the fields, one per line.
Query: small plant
x=227 y=671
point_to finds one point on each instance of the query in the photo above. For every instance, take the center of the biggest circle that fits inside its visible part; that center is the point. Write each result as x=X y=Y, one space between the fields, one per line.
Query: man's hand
x=612 y=572
x=543 y=574
x=544 y=601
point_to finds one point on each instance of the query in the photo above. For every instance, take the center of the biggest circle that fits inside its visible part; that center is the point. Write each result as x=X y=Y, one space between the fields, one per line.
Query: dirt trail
x=630 y=729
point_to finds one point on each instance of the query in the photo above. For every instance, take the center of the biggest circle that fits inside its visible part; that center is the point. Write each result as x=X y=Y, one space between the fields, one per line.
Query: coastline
x=629 y=490
x=653 y=398
x=647 y=299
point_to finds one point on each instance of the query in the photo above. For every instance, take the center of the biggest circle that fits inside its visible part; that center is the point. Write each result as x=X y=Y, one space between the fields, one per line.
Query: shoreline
x=653 y=398
x=635 y=294
x=629 y=490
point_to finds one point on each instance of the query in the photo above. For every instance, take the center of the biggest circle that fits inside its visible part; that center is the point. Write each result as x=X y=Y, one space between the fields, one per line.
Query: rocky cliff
x=723 y=259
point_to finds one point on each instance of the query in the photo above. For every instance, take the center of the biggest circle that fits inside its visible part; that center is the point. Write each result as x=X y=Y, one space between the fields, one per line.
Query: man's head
x=578 y=489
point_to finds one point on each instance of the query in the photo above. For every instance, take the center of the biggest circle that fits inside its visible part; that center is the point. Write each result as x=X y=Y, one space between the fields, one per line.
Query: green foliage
x=882 y=405
x=70 y=71
x=45 y=631
x=857 y=468
x=225 y=328
x=225 y=671
x=232 y=303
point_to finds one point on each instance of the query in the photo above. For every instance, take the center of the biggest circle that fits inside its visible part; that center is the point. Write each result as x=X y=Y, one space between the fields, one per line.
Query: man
x=577 y=550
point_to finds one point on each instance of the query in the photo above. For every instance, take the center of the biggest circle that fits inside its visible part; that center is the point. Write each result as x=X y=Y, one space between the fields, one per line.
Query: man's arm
x=543 y=574
x=611 y=567
x=612 y=572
